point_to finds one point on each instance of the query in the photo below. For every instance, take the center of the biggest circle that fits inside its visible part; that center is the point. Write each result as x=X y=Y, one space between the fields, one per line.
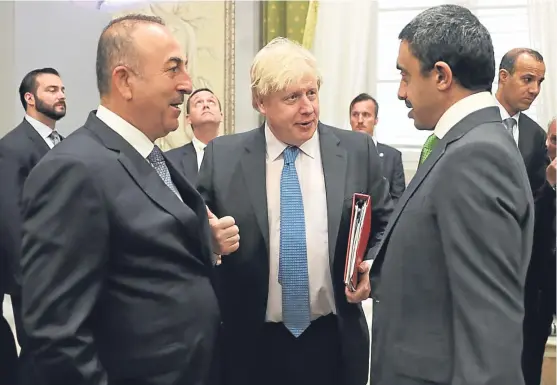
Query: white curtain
x=543 y=38
x=345 y=49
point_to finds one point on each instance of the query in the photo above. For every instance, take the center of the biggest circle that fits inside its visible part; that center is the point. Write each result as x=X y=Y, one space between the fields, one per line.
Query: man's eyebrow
x=176 y=60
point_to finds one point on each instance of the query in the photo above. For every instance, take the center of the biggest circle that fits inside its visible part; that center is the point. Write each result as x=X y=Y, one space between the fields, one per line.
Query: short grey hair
x=452 y=34
x=116 y=47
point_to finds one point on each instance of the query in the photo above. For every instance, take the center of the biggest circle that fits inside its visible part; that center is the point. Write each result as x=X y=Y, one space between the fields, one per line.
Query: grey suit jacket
x=185 y=160
x=116 y=269
x=232 y=181
x=449 y=276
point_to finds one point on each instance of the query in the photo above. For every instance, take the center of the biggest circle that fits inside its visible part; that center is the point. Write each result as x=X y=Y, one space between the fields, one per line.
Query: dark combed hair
x=196 y=92
x=362 y=98
x=29 y=83
x=509 y=59
x=452 y=34
x=116 y=47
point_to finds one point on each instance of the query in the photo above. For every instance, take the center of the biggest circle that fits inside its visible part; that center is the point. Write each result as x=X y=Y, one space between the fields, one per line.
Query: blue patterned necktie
x=157 y=161
x=293 y=266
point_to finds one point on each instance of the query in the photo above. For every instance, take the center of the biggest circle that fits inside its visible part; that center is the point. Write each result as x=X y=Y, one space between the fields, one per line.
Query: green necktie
x=428 y=147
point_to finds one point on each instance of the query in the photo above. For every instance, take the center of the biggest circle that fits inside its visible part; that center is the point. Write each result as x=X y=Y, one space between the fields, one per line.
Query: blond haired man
x=288 y=318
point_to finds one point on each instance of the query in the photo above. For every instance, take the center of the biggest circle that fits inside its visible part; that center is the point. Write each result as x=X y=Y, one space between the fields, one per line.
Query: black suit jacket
x=185 y=158
x=232 y=181
x=449 y=276
x=20 y=150
x=117 y=269
x=531 y=143
x=393 y=170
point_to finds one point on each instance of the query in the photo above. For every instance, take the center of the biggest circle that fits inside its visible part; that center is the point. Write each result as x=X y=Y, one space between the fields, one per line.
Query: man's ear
x=260 y=106
x=29 y=98
x=121 y=80
x=503 y=76
x=443 y=75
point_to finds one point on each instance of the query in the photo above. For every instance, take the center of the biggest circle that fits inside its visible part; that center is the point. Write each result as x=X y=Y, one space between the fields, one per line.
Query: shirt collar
x=462 y=109
x=197 y=144
x=43 y=130
x=504 y=113
x=275 y=147
x=131 y=134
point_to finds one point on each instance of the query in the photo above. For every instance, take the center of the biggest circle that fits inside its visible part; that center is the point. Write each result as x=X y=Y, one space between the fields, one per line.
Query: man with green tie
x=452 y=265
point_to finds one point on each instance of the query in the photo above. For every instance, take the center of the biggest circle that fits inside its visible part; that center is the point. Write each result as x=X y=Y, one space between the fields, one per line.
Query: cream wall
x=73 y=53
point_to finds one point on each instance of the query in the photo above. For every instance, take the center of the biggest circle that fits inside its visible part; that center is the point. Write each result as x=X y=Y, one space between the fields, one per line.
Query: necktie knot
x=55 y=137
x=290 y=154
x=428 y=147
x=155 y=156
x=509 y=123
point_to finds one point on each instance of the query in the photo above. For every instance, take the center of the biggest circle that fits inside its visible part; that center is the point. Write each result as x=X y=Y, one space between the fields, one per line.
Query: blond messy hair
x=278 y=65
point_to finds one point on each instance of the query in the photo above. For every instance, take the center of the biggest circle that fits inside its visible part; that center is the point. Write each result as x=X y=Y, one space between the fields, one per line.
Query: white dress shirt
x=309 y=168
x=505 y=115
x=462 y=109
x=127 y=131
x=137 y=139
x=199 y=150
x=42 y=129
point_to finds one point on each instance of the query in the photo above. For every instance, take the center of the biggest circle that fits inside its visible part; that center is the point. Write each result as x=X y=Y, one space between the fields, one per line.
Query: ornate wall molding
x=206 y=32
x=230 y=66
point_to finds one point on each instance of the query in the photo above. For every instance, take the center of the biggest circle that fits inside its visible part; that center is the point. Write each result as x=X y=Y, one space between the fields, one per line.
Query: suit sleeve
x=12 y=177
x=398 y=184
x=381 y=203
x=480 y=208
x=64 y=255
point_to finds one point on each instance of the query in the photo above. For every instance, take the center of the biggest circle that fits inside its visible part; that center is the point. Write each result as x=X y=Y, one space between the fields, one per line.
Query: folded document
x=358 y=236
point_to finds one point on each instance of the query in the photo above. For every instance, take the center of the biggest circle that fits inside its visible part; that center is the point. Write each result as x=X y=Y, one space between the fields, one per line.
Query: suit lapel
x=253 y=168
x=143 y=174
x=195 y=202
x=524 y=140
x=189 y=161
x=334 y=162
x=490 y=114
x=35 y=138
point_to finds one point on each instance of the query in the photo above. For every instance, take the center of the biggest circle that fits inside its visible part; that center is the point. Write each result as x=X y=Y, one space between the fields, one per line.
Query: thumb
x=363 y=267
x=210 y=214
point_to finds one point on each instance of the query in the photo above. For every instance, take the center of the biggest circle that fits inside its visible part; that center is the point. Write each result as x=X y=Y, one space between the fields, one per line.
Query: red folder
x=358 y=236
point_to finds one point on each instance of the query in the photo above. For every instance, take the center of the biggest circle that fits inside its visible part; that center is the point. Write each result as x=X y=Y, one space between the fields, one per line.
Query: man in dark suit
x=204 y=115
x=364 y=111
x=116 y=257
x=521 y=73
x=540 y=282
x=42 y=96
x=288 y=318
x=449 y=276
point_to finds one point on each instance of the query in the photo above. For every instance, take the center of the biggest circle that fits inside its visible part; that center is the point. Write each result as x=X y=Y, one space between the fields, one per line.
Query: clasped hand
x=364 y=287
